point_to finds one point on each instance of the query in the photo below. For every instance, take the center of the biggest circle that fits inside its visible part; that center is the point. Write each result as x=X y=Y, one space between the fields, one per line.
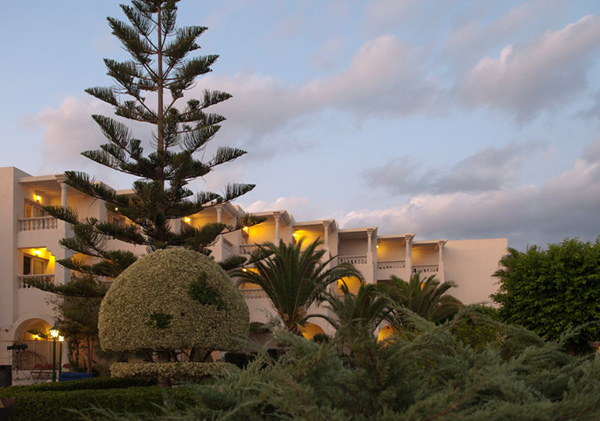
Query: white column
x=277 y=217
x=219 y=214
x=63 y=195
x=441 y=260
x=370 y=265
x=326 y=234
x=408 y=259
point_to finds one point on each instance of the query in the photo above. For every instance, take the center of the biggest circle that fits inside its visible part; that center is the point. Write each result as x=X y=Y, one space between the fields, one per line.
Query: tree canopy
x=552 y=290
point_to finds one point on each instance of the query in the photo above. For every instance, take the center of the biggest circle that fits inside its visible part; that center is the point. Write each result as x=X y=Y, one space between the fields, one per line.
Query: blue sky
x=461 y=119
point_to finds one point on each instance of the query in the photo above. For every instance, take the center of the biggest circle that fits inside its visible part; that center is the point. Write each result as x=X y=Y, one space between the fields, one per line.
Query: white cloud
x=568 y=205
x=329 y=53
x=385 y=15
x=491 y=168
x=296 y=206
x=540 y=74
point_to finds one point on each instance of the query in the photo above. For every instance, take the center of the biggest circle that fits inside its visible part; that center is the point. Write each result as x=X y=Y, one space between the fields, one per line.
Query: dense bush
x=174 y=371
x=429 y=375
x=551 y=291
x=47 y=404
x=156 y=305
x=96 y=383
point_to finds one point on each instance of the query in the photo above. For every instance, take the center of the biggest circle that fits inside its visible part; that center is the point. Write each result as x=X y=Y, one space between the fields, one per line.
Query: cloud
x=492 y=168
x=527 y=78
x=386 y=15
x=298 y=207
x=383 y=80
x=329 y=53
x=568 y=205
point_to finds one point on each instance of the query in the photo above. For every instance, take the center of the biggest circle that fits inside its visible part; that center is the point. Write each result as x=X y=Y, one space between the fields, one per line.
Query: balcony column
x=326 y=234
x=441 y=260
x=63 y=195
x=408 y=258
x=370 y=261
x=277 y=217
x=219 y=214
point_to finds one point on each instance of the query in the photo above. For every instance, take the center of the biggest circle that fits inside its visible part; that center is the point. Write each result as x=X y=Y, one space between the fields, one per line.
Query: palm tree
x=364 y=310
x=293 y=278
x=427 y=298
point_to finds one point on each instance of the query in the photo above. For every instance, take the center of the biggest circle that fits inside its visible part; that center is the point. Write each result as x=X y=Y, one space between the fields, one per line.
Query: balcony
x=426 y=268
x=253 y=294
x=390 y=264
x=248 y=248
x=42 y=223
x=46 y=279
x=353 y=260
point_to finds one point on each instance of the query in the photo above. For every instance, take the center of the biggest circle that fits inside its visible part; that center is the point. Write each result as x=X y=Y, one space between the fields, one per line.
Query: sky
x=447 y=119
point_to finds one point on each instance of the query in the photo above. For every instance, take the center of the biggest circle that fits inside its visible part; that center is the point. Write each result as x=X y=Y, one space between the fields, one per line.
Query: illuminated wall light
x=116 y=209
x=244 y=270
x=37 y=252
x=38 y=198
x=295 y=234
x=187 y=219
x=245 y=229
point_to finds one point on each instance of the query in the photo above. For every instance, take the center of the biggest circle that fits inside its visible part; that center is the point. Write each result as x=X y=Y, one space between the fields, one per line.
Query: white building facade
x=30 y=248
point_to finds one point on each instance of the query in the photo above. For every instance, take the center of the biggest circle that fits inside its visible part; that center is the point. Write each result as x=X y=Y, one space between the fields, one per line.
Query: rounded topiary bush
x=173 y=299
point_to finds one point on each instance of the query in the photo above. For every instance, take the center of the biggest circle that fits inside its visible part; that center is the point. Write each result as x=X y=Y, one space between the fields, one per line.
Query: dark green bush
x=96 y=383
x=59 y=404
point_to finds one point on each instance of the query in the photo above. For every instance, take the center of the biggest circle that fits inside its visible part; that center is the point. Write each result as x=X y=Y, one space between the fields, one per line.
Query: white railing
x=37 y=224
x=353 y=260
x=425 y=268
x=248 y=248
x=45 y=279
x=253 y=294
x=391 y=264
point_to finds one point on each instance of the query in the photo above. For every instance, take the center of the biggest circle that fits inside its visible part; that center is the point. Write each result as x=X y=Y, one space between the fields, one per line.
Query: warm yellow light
x=295 y=234
x=37 y=252
x=116 y=209
x=61 y=338
x=244 y=270
x=54 y=333
x=36 y=337
x=187 y=219
x=245 y=229
x=38 y=198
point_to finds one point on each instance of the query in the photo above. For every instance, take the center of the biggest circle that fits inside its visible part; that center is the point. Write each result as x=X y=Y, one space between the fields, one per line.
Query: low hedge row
x=95 y=383
x=38 y=405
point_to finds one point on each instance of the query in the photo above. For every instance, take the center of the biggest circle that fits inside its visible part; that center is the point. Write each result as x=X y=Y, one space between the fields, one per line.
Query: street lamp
x=60 y=339
x=54 y=333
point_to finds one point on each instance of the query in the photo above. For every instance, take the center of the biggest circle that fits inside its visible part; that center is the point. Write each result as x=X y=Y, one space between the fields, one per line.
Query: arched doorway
x=35 y=333
x=310 y=330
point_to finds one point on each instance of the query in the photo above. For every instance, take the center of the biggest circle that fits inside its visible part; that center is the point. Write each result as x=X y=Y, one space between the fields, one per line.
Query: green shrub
x=173 y=299
x=59 y=404
x=96 y=383
x=174 y=371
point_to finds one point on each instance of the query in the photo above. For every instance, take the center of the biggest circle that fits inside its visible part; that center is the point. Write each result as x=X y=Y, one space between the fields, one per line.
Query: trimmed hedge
x=97 y=383
x=175 y=371
x=58 y=404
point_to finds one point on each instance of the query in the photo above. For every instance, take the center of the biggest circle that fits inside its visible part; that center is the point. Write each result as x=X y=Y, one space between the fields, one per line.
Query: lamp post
x=54 y=334
x=60 y=339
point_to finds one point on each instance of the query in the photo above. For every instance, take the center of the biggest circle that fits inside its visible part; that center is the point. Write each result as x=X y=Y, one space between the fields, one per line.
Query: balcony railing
x=248 y=248
x=253 y=294
x=425 y=268
x=391 y=264
x=353 y=260
x=38 y=224
x=45 y=279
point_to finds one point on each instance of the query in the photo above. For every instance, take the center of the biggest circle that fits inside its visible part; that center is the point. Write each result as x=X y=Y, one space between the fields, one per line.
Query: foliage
x=174 y=371
x=95 y=383
x=426 y=297
x=431 y=376
x=294 y=277
x=156 y=289
x=60 y=404
x=149 y=88
x=550 y=291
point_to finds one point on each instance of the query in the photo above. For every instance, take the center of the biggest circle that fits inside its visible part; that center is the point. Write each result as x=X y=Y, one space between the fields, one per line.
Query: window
x=34 y=210
x=33 y=265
